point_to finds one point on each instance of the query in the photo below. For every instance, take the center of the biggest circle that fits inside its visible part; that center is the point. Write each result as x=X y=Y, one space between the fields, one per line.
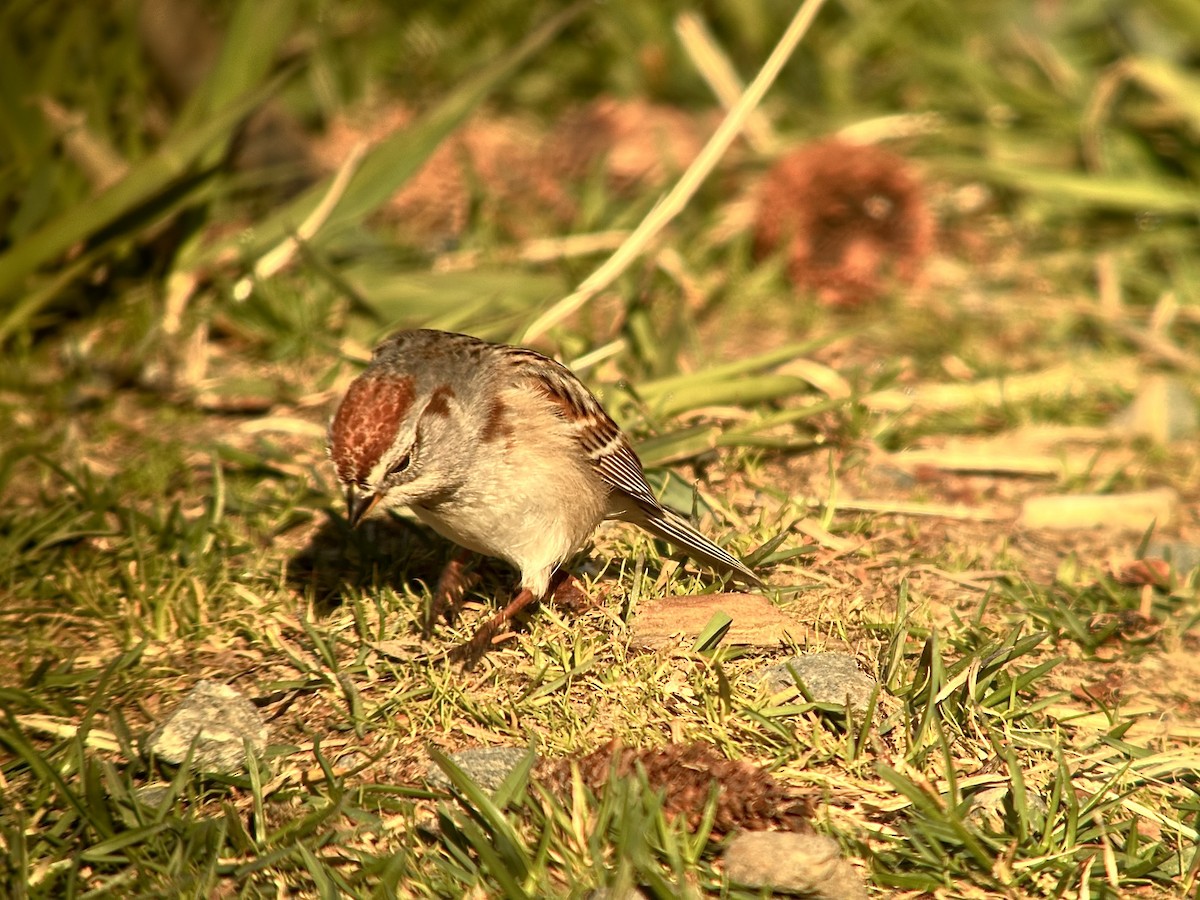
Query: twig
x=715 y=68
x=677 y=199
x=977 y=579
x=538 y=250
x=1108 y=286
x=975 y=459
x=274 y=260
x=1165 y=311
x=99 y=161
x=1158 y=345
x=931 y=510
x=597 y=356
x=96 y=738
x=891 y=128
x=839 y=545
x=1074 y=379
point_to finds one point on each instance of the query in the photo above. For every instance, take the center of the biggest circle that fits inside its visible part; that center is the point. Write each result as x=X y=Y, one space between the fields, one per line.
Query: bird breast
x=532 y=495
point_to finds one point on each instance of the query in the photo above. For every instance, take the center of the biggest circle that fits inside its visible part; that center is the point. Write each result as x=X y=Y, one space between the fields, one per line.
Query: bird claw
x=563 y=588
x=472 y=651
x=454 y=582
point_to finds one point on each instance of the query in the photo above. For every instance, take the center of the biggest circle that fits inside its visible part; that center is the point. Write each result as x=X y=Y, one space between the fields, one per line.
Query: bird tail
x=674 y=529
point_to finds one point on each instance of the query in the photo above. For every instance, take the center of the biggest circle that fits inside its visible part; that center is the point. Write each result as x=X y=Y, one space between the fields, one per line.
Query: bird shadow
x=339 y=562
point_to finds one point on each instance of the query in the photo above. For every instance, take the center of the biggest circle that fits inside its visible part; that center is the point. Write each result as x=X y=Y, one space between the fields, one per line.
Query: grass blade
x=508 y=844
x=390 y=164
x=146 y=180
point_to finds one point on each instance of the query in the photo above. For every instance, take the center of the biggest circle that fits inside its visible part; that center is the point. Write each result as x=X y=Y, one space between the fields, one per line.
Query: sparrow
x=501 y=450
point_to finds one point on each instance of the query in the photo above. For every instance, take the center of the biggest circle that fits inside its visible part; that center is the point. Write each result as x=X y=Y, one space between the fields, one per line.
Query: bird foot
x=489 y=633
x=454 y=582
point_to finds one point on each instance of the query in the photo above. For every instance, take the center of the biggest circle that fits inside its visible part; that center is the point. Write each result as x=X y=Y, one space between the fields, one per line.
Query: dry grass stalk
x=677 y=199
x=1076 y=378
x=714 y=66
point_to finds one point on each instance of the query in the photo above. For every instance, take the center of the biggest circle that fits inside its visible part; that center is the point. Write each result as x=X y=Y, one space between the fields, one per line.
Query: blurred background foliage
x=126 y=159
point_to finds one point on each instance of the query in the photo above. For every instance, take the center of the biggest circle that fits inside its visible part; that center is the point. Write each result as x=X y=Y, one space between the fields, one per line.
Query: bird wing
x=615 y=460
x=606 y=445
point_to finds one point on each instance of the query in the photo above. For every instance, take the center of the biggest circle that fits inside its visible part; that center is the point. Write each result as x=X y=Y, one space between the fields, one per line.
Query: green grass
x=168 y=513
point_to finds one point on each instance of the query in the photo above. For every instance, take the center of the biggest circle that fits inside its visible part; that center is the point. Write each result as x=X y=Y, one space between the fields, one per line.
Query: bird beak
x=358 y=504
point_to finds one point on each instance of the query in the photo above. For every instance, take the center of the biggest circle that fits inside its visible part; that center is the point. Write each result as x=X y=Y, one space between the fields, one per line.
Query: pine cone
x=748 y=798
x=849 y=216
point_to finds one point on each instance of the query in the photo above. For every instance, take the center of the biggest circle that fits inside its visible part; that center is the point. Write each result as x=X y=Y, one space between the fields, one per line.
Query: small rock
x=809 y=864
x=894 y=476
x=1182 y=556
x=151 y=794
x=1163 y=410
x=987 y=811
x=829 y=678
x=604 y=893
x=1124 y=512
x=218 y=719
x=486 y=766
x=756 y=621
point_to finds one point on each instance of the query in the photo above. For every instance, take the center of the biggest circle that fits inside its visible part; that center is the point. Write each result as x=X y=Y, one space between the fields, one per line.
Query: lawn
x=919 y=343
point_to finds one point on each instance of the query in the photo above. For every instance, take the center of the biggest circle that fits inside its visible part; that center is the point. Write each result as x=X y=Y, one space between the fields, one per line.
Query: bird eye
x=400 y=465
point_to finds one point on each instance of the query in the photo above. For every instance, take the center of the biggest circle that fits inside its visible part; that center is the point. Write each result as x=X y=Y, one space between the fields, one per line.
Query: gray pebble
x=1163 y=410
x=894 y=476
x=1182 y=556
x=153 y=794
x=809 y=864
x=486 y=766
x=987 y=811
x=830 y=677
x=218 y=719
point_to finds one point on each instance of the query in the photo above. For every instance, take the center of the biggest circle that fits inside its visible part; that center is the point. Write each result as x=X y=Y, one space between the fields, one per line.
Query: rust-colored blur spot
x=848 y=218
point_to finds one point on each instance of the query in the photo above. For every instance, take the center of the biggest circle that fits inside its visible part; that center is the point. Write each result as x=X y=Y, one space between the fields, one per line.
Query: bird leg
x=452 y=586
x=470 y=652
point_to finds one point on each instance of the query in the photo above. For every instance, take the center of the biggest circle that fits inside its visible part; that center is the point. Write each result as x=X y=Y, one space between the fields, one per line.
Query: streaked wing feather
x=614 y=458
x=675 y=530
x=603 y=439
x=623 y=470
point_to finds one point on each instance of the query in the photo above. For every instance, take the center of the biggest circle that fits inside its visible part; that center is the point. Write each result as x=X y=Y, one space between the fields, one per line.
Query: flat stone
x=218 y=720
x=829 y=677
x=793 y=863
x=894 y=476
x=152 y=794
x=665 y=621
x=486 y=766
x=1122 y=512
